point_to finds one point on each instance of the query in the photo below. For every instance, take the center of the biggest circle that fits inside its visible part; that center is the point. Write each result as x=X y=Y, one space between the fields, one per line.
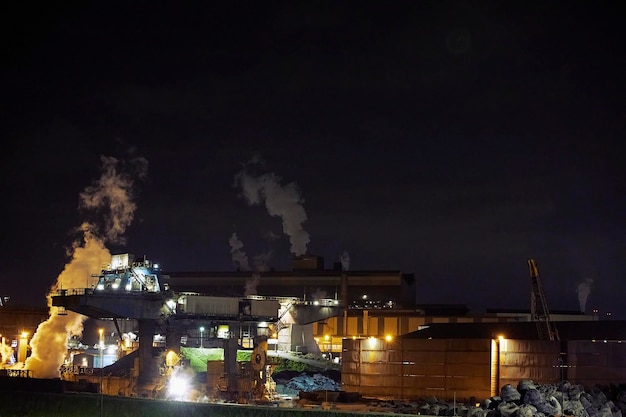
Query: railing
x=93 y=291
x=17 y=373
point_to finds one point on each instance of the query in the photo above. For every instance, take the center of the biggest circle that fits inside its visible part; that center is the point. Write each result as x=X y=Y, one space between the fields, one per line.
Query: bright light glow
x=326 y=337
x=24 y=335
x=263 y=324
x=115 y=285
x=316 y=302
x=178 y=387
x=101 y=342
x=365 y=296
x=128 y=287
x=171 y=304
x=371 y=341
x=388 y=338
x=100 y=287
x=223 y=331
x=171 y=358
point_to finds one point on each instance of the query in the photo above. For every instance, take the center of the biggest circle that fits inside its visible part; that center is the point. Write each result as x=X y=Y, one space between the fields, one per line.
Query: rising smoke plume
x=240 y=259
x=583 y=290
x=281 y=201
x=345 y=261
x=109 y=203
x=252 y=284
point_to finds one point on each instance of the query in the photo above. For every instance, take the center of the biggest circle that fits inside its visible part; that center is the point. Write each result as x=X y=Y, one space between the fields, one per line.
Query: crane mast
x=539 y=307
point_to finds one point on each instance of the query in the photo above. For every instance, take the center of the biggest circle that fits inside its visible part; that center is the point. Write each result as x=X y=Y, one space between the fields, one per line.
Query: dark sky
x=449 y=139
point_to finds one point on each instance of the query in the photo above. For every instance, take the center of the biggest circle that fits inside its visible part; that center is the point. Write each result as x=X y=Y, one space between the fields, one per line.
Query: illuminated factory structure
x=131 y=289
x=388 y=345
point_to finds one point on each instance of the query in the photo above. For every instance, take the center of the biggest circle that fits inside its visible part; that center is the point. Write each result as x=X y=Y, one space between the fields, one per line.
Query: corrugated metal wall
x=593 y=363
x=417 y=368
x=529 y=359
x=468 y=369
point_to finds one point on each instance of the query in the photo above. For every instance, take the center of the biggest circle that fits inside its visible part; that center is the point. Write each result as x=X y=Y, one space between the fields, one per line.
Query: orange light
x=388 y=338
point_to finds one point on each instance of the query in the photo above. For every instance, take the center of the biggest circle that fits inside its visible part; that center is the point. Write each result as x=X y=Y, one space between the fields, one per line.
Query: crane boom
x=539 y=307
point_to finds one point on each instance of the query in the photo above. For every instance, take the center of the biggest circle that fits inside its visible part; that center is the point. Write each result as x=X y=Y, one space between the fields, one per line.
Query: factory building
x=309 y=281
x=388 y=345
x=17 y=325
x=365 y=321
x=469 y=361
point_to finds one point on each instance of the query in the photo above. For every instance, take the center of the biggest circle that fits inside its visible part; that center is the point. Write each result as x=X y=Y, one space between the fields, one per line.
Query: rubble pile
x=315 y=382
x=526 y=400
x=533 y=400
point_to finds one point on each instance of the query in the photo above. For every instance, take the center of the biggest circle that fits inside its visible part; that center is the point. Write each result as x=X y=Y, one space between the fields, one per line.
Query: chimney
x=308 y=262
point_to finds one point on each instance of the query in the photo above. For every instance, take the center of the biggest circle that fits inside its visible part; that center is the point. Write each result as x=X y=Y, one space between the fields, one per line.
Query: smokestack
x=308 y=262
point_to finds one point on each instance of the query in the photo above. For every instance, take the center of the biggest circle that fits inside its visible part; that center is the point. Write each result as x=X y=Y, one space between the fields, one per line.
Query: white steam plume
x=261 y=261
x=319 y=294
x=110 y=197
x=345 y=261
x=252 y=284
x=282 y=201
x=240 y=259
x=583 y=290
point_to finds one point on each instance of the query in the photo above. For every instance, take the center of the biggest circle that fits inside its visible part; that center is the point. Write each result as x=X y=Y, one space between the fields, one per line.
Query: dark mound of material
x=31 y=384
x=284 y=376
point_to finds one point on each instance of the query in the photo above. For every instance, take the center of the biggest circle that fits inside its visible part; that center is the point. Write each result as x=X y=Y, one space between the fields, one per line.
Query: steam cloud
x=261 y=261
x=252 y=284
x=282 y=201
x=583 y=290
x=345 y=261
x=109 y=199
x=240 y=259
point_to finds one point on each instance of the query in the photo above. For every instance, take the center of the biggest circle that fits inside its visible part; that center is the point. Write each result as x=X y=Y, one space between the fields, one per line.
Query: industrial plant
x=365 y=324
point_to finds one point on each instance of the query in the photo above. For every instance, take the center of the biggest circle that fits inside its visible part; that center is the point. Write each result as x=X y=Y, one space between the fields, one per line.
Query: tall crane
x=539 y=307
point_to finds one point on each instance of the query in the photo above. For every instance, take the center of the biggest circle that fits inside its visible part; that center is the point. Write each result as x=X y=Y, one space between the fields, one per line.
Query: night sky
x=448 y=139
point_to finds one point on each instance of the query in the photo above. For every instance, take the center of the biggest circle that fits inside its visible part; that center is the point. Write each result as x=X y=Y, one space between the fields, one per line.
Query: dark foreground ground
x=41 y=404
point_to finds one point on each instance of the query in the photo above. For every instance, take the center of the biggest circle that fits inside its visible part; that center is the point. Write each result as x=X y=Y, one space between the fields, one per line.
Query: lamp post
x=201 y=334
x=101 y=345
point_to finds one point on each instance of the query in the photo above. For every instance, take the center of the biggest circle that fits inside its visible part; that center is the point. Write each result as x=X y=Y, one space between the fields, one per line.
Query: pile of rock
x=528 y=399
x=315 y=382
x=533 y=400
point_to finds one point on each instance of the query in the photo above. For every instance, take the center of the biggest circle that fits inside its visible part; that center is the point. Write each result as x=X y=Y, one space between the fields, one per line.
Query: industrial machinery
x=128 y=274
x=539 y=312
